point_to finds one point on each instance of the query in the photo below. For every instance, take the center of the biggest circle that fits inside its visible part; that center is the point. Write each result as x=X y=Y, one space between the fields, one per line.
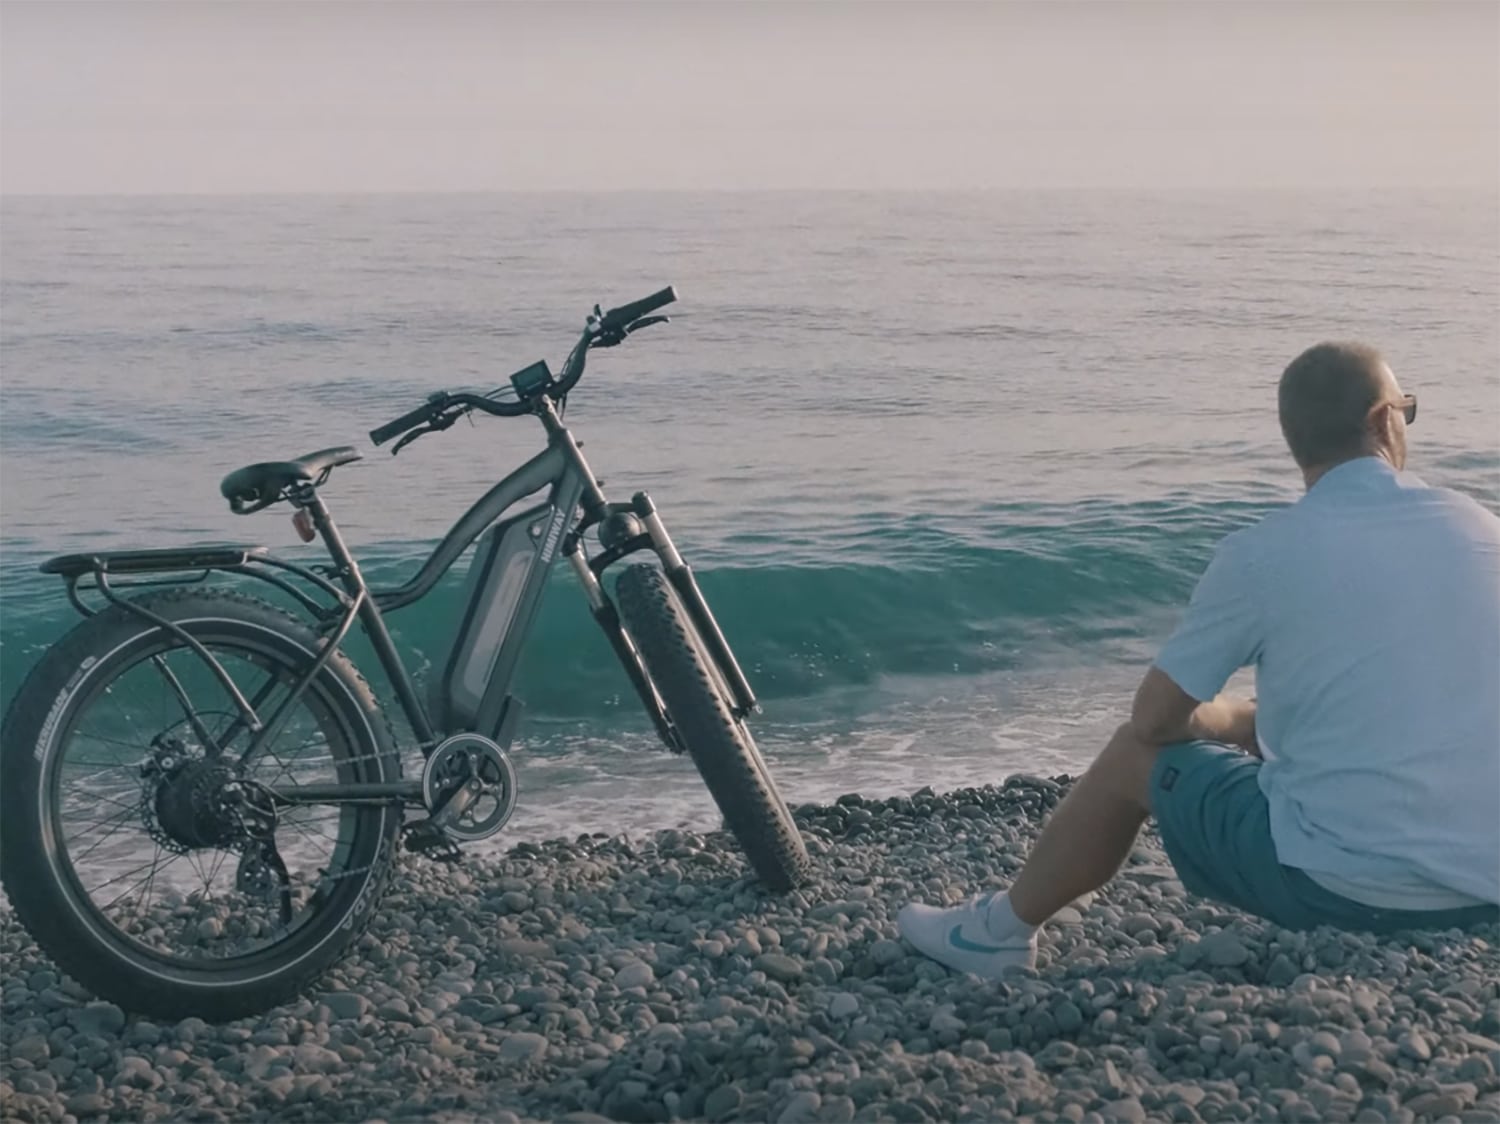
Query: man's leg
x=1089 y=836
x=1081 y=847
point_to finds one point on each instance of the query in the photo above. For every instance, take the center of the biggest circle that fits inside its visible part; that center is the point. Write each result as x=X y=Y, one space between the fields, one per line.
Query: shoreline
x=644 y=980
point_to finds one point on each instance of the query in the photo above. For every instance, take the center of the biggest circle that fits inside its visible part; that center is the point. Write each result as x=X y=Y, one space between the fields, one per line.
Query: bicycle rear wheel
x=137 y=849
x=719 y=743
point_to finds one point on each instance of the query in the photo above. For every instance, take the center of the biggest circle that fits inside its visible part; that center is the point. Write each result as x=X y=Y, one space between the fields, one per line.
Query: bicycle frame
x=531 y=540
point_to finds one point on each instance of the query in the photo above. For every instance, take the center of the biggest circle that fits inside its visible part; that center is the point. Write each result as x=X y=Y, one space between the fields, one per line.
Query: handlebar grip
x=626 y=313
x=406 y=421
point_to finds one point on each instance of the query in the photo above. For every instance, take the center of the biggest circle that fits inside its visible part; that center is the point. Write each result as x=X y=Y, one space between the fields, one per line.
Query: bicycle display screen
x=531 y=381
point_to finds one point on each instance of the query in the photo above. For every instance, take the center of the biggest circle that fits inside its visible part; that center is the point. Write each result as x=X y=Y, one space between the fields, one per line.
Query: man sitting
x=1362 y=790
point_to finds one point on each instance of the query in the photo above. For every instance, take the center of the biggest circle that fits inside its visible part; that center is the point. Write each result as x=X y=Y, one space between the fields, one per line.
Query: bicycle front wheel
x=140 y=847
x=719 y=743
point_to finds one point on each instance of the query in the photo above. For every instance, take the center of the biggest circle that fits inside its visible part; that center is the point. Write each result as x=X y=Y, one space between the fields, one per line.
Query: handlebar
x=425 y=412
x=603 y=329
x=617 y=318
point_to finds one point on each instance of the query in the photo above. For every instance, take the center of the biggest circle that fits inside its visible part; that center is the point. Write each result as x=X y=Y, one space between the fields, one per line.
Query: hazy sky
x=329 y=96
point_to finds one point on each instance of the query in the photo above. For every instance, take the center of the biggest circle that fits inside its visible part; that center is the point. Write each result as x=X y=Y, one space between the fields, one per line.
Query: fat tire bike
x=203 y=799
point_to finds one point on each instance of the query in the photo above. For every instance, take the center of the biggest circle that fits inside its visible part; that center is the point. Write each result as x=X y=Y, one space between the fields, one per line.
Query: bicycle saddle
x=260 y=485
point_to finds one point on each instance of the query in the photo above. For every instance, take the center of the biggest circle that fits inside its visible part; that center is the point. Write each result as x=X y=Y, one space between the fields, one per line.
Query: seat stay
x=247 y=712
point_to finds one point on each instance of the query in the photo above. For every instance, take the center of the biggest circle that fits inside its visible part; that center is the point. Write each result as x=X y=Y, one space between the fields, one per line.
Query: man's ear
x=1381 y=426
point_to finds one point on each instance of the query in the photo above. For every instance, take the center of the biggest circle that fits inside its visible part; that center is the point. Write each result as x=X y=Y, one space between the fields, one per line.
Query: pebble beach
x=611 y=978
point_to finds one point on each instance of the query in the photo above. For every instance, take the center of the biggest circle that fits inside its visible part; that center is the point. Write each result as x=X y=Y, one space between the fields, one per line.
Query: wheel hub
x=196 y=801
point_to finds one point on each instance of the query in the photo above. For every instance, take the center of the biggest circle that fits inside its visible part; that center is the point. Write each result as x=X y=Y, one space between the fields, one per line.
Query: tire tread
x=36 y=899
x=719 y=744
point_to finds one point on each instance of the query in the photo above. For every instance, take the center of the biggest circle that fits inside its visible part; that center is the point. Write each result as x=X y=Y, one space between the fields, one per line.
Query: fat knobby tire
x=67 y=678
x=720 y=745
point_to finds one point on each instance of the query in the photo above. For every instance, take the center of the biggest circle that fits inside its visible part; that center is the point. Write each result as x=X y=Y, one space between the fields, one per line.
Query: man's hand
x=1232 y=719
x=1164 y=713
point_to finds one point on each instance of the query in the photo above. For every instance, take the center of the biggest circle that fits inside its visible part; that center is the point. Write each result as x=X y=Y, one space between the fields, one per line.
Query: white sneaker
x=958 y=938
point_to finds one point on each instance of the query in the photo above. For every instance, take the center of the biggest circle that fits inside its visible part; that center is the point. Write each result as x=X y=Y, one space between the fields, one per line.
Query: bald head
x=1326 y=400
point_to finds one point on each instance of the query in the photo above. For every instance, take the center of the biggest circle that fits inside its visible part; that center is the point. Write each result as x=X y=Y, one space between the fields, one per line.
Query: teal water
x=947 y=465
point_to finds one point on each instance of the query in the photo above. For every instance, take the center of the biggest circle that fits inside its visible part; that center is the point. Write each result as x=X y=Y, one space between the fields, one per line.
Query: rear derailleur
x=192 y=801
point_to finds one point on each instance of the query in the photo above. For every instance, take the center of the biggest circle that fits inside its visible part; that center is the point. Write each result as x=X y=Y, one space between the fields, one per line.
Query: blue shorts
x=1216 y=826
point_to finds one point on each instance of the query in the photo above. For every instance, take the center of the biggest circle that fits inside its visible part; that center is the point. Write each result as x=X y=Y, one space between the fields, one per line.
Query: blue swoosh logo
x=958 y=941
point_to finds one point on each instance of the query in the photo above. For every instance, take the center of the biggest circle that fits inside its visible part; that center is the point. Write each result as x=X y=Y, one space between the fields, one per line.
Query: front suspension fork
x=680 y=574
x=654 y=536
x=608 y=617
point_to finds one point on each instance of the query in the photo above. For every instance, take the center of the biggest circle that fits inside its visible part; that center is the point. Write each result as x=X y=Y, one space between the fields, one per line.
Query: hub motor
x=195 y=803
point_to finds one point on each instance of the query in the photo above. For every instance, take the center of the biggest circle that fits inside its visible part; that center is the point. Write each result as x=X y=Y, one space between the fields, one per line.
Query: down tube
x=508 y=580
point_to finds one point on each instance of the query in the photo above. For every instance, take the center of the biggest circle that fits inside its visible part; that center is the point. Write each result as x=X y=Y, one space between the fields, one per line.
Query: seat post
x=306 y=497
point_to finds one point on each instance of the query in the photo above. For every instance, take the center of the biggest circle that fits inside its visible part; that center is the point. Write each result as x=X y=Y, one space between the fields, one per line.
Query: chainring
x=450 y=768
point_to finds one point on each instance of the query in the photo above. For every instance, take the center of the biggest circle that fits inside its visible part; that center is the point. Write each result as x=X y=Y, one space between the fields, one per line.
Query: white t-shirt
x=1370 y=610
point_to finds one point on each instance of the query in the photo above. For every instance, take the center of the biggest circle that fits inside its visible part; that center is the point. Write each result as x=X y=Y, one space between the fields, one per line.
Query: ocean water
x=947 y=465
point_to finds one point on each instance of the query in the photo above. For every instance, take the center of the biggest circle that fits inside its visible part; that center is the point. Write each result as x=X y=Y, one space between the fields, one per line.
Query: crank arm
x=456 y=804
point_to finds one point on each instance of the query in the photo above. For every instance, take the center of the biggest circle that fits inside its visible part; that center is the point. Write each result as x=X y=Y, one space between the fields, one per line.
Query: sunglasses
x=1407 y=406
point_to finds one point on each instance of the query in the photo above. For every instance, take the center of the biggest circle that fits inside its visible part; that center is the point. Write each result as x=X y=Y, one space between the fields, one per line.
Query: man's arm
x=1180 y=698
x=1164 y=713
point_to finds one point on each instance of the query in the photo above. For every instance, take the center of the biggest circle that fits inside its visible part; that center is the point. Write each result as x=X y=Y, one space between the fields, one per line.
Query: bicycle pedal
x=421 y=838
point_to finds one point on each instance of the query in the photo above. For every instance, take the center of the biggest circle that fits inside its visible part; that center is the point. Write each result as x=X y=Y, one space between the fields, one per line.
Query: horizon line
x=1161 y=189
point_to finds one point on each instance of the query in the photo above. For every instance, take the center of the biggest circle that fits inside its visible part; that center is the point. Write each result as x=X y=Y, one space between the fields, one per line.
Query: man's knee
x=1126 y=764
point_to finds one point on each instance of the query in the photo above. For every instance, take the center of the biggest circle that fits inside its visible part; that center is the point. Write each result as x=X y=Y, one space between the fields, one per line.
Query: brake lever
x=617 y=336
x=409 y=437
x=441 y=422
x=646 y=322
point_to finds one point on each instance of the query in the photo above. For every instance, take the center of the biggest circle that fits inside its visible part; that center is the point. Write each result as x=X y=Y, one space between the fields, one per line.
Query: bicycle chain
x=438 y=850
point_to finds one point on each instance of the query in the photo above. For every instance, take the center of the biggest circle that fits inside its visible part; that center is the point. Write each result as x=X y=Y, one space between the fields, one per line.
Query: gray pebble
x=1126 y=1109
x=1325 y=1043
x=32 y=1048
x=88 y=1104
x=801 y=1108
x=104 y=1019
x=634 y=974
x=722 y=1102
x=1069 y=1017
x=1282 y=971
x=843 y=1005
x=886 y=953
x=137 y=1073
x=1224 y=949
x=523 y=1047
x=345 y=1004
x=779 y=967
x=1413 y=1045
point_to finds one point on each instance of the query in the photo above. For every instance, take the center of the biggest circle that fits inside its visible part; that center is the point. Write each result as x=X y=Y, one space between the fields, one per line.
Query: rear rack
x=190 y=566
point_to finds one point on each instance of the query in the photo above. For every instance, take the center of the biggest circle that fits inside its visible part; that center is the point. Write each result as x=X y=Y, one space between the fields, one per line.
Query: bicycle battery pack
x=469 y=696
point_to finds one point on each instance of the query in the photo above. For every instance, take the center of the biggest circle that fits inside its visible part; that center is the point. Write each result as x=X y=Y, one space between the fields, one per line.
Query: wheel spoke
x=123 y=839
x=123 y=820
x=140 y=912
x=127 y=805
x=119 y=820
x=137 y=746
x=189 y=712
x=121 y=877
x=155 y=864
x=307 y=833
